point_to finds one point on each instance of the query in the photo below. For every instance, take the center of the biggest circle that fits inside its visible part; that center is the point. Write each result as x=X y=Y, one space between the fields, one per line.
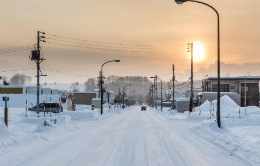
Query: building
x=12 y=89
x=84 y=98
x=182 y=104
x=237 y=85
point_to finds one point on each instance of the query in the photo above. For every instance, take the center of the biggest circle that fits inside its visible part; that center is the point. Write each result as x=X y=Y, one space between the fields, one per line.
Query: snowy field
x=131 y=137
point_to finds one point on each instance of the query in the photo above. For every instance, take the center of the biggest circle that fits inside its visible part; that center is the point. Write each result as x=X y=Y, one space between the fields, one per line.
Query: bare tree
x=75 y=87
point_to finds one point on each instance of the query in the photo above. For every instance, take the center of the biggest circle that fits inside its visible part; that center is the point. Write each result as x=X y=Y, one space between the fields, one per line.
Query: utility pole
x=245 y=94
x=36 y=56
x=156 y=92
x=173 y=79
x=153 y=92
x=101 y=91
x=190 y=46
x=152 y=95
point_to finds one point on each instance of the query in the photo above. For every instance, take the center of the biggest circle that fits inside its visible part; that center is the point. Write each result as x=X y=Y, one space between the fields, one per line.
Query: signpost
x=5 y=99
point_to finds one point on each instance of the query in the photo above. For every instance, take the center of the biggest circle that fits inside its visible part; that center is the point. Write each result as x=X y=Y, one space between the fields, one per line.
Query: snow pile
x=242 y=142
x=82 y=115
x=4 y=130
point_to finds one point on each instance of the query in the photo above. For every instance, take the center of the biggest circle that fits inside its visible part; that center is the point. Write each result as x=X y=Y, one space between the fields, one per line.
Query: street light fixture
x=124 y=94
x=101 y=83
x=218 y=98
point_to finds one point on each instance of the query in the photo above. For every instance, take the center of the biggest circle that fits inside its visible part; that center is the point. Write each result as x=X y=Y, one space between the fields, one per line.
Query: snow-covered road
x=135 y=138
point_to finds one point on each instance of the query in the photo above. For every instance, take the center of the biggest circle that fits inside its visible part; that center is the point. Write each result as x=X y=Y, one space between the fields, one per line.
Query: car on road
x=143 y=108
x=53 y=107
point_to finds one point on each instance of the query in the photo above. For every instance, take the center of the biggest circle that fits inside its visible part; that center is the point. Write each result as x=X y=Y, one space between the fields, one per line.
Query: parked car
x=53 y=107
x=143 y=108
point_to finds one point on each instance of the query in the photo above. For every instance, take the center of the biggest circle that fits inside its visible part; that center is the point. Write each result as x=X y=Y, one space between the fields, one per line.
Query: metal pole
x=6 y=114
x=191 y=87
x=173 y=79
x=152 y=95
x=218 y=40
x=38 y=71
x=123 y=96
x=156 y=92
x=161 y=95
x=101 y=92
x=218 y=119
x=245 y=94
x=153 y=92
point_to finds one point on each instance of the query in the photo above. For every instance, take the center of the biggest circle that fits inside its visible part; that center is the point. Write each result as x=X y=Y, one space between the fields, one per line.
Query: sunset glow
x=198 y=52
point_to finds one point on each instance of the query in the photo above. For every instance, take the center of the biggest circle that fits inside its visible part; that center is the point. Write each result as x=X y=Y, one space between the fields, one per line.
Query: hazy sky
x=162 y=24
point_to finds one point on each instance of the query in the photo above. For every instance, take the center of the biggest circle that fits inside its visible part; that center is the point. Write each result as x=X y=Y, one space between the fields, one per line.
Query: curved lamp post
x=124 y=94
x=218 y=100
x=101 y=83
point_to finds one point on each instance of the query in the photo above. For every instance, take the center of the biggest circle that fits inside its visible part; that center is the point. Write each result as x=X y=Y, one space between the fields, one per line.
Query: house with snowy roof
x=250 y=94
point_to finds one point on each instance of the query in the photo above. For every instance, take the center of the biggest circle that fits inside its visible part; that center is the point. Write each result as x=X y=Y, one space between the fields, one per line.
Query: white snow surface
x=131 y=137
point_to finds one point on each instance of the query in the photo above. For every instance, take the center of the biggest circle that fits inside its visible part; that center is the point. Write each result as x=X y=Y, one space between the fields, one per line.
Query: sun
x=198 y=52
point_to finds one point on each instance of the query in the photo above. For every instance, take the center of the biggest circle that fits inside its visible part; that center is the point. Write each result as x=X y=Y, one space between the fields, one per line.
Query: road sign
x=5 y=98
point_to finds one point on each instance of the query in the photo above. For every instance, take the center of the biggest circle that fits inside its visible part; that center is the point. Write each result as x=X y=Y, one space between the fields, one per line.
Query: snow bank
x=243 y=143
x=81 y=115
x=4 y=130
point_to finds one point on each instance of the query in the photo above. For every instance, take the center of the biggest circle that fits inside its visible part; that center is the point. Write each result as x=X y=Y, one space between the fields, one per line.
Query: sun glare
x=198 y=52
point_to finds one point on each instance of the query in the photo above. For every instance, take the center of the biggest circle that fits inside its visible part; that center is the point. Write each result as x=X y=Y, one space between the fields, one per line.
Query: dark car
x=53 y=107
x=143 y=108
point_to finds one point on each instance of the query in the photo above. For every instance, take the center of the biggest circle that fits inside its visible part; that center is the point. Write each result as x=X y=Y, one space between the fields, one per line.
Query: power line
x=101 y=54
x=66 y=73
x=109 y=46
x=92 y=41
x=15 y=50
x=107 y=49
x=5 y=71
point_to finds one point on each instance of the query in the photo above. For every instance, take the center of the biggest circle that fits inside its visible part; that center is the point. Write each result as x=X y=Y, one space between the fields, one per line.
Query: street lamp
x=161 y=92
x=155 y=85
x=101 y=83
x=218 y=99
x=124 y=94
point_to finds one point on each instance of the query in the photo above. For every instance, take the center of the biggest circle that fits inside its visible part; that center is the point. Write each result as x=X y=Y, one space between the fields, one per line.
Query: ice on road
x=135 y=138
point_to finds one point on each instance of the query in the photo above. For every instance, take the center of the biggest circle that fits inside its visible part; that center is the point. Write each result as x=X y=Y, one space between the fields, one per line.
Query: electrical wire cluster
x=16 y=49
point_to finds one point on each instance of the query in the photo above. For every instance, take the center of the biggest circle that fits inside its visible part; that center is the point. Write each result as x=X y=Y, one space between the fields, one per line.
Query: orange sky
x=148 y=22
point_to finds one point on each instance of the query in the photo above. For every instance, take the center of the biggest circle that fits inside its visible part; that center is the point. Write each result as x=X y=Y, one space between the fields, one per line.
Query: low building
x=96 y=102
x=182 y=104
x=237 y=85
x=12 y=89
x=84 y=98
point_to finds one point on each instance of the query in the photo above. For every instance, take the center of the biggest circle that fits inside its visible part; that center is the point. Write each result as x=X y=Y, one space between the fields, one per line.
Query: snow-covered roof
x=236 y=78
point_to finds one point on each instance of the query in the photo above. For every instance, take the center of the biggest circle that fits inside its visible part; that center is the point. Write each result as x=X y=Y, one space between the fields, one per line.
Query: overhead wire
x=16 y=70
x=110 y=43
x=17 y=49
x=104 y=54
x=51 y=71
x=109 y=46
